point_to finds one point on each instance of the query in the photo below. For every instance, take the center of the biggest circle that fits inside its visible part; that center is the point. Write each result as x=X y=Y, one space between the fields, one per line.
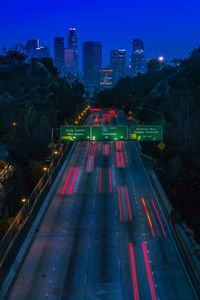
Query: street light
x=161 y=59
x=46 y=171
x=56 y=152
x=24 y=201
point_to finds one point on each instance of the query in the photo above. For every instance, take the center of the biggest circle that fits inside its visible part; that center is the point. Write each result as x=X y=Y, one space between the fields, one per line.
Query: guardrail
x=16 y=234
x=189 y=249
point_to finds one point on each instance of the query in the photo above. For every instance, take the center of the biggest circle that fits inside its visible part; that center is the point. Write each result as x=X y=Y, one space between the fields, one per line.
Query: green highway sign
x=146 y=133
x=109 y=133
x=75 y=133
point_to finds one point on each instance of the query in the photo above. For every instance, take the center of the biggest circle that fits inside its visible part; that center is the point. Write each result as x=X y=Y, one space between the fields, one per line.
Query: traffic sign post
x=75 y=133
x=146 y=133
x=109 y=133
x=161 y=146
x=130 y=113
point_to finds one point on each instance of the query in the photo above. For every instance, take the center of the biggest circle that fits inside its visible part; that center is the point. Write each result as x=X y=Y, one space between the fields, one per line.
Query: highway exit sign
x=75 y=133
x=146 y=133
x=109 y=133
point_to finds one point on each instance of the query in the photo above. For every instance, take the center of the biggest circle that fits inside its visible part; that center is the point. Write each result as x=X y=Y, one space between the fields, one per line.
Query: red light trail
x=66 y=182
x=148 y=217
x=71 y=188
x=149 y=272
x=133 y=272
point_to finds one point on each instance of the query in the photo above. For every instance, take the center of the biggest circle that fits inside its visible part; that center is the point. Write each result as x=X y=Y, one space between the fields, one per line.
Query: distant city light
x=161 y=58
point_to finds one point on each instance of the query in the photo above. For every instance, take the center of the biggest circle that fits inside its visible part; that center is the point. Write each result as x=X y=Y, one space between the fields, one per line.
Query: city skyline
x=133 y=20
x=92 y=73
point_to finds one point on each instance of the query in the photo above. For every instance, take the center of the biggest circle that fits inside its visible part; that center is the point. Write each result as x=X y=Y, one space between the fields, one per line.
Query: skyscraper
x=92 y=63
x=73 y=44
x=31 y=48
x=59 y=53
x=118 y=64
x=138 y=58
x=105 y=78
x=69 y=63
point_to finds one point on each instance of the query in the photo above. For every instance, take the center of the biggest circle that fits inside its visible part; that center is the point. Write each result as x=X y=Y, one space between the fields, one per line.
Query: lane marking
x=94 y=156
x=149 y=272
x=159 y=219
x=128 y=203
x=100 y=180
x=88 y=156
x=103 y=149
x=119 y=202
x=117 y=158
x=110 y=180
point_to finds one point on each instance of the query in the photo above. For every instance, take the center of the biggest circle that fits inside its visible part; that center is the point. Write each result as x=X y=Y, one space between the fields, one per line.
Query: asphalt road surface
x=104 y=235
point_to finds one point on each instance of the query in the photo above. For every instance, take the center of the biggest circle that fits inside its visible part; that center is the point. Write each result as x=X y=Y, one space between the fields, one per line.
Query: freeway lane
x=103 y=235
x=169 y=276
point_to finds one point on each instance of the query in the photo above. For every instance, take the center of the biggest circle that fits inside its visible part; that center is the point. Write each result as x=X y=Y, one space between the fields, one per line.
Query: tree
x=14 y=57
x=153 y=65
x=48 y=63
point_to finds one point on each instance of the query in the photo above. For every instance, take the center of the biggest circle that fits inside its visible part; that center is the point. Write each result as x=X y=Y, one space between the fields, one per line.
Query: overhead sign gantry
x=112 y=133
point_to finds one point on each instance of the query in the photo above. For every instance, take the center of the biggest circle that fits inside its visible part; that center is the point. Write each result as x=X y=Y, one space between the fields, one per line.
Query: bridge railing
x=17 y=232
x=184 y=237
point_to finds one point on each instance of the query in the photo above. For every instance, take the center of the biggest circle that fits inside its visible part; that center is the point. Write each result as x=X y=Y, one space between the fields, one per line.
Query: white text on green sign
x=75 y=133
x=146 y=133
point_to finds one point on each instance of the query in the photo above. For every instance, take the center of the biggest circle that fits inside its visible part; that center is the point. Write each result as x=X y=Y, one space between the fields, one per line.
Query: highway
x=103 y=235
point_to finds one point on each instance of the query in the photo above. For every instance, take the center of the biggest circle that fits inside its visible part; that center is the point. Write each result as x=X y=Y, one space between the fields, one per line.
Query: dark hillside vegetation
x=33 y=99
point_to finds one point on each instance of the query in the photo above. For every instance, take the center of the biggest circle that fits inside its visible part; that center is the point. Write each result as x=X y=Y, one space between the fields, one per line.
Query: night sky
x=170 y=28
